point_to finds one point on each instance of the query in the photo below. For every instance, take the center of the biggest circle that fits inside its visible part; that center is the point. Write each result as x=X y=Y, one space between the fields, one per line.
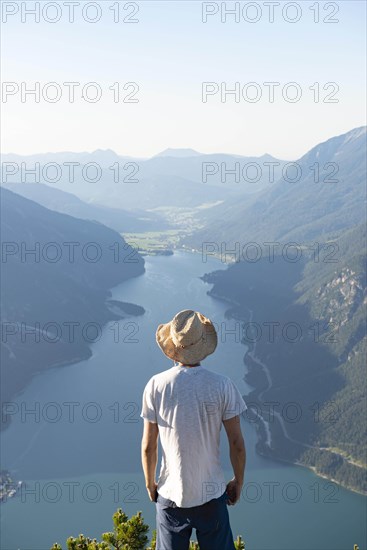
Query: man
x=186 y=406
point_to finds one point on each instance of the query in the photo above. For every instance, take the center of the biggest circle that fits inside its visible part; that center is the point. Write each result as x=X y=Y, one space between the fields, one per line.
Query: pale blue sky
x=170 y=53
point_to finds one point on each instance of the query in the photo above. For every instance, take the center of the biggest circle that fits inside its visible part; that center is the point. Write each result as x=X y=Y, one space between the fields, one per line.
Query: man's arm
x=237 y=453
x=149 y=456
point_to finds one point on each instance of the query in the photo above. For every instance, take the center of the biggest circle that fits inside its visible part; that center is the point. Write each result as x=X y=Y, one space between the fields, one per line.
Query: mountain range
x=312 y=283
x=56 y=274
x=327 y=194
x=67 y=203
x=173 y=178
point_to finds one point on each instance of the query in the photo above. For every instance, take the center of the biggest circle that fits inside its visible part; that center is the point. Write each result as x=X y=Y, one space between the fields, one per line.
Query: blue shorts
x=211 y=521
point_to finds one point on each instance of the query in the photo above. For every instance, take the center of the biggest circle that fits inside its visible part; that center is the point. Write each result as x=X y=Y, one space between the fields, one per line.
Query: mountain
x=102 y=157
x=178 y=153
x=173 y=178
x=306 y=322
x=302 y=307
x=235 y=174
x=56 y=275
x=67 y=203
x=327 y=194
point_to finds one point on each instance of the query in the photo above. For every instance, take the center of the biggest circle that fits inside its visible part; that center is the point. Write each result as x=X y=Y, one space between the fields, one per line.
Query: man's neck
x=189 y=366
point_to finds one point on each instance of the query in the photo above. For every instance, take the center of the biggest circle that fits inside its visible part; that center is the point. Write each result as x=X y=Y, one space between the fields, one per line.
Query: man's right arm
x=237 y=453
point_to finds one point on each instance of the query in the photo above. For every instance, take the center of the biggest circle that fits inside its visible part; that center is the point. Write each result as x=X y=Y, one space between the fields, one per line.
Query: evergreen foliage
x=127 y=534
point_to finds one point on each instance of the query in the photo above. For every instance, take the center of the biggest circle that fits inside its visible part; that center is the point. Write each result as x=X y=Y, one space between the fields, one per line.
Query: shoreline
x=316 y=472
x=54 y=365
x=251 y=358
x=84 y=353
x=256 y=392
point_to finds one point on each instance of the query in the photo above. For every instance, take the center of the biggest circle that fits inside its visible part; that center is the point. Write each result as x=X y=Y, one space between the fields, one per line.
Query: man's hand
x=152 y=491
x=234 y=488
x=237 y=453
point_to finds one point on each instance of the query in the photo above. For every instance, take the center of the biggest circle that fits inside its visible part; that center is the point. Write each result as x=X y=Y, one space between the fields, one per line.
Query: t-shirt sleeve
x=148 y=407
x=234 y=403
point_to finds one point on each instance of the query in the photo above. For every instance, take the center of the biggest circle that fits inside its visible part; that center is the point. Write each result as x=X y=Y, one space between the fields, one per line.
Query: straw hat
x=188 y=338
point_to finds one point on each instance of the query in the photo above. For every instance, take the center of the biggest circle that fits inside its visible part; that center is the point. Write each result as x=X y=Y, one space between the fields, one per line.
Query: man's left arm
x=149 y=456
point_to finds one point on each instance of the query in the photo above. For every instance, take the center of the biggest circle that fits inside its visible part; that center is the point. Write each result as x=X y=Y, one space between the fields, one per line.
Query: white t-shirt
x=189 y=405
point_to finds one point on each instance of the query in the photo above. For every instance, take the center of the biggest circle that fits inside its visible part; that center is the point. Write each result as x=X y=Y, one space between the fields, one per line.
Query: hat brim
x=192 y=354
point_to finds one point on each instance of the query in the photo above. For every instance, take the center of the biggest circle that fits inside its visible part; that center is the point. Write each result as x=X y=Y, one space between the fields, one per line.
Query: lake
x=79 y=453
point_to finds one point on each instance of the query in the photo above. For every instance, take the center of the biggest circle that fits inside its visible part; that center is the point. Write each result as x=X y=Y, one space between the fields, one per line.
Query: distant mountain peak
x=104 y=151
x=355 y=133
x=268 y=157
x=178 y=153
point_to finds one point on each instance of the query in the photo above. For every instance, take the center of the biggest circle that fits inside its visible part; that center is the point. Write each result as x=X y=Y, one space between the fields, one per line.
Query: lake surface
x=80 y=457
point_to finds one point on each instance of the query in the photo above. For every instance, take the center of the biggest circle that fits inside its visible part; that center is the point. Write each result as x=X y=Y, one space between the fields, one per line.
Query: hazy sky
x=169 y=53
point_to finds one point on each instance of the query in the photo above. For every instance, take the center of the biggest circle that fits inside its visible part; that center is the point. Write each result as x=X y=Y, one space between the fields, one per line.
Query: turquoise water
x=80 y=467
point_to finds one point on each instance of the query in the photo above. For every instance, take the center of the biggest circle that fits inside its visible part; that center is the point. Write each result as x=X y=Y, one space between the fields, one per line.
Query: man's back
x=189 y=405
